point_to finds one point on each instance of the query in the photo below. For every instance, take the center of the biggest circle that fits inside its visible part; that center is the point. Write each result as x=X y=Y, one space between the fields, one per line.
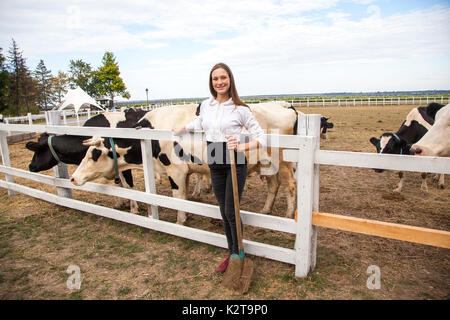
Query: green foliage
x=60 y=84
x=22 y=90
x=108 y=80
x=4 y=83
x=46 y=96
x=81 y=75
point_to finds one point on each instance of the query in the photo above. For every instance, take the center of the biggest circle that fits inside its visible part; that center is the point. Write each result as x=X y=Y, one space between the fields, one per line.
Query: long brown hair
x=232 y=92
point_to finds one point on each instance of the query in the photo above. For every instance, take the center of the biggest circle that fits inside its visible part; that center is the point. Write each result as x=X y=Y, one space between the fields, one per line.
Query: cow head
x=389 y=143
x=324 y=125
x=98 y=162
x=42 y=158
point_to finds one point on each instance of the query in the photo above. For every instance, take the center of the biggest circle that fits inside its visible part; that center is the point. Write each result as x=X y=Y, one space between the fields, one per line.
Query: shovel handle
x=237 y=213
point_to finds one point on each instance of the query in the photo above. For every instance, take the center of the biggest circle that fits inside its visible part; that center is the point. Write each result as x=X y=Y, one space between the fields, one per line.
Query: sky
x=272 y=47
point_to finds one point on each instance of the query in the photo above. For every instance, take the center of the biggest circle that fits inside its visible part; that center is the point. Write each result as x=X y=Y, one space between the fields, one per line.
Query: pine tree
x=16 y=63
x=45 y=86
x=108 y=78
x=4 y=83
x=22 y=88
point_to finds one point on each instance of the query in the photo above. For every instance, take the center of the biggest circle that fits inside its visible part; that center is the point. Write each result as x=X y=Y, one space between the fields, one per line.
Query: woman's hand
x=232 y=143
x=177 y=131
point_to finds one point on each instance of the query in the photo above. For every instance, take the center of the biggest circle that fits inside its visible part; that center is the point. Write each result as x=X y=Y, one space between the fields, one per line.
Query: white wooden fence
x=357 y=101
x=303 y=149
x=368 y=101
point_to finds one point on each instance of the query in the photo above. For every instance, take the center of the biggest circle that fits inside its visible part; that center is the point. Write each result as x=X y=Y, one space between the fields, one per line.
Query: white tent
x=77 y=99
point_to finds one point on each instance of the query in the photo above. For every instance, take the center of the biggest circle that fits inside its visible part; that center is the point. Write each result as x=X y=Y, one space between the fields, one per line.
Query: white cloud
x=272 y=39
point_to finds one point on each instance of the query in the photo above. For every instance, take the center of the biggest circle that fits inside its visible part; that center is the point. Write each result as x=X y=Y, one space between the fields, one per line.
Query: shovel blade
x=232 y=276
x=246 y=276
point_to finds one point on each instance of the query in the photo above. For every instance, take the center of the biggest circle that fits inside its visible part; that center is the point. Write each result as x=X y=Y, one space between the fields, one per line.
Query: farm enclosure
x=342 y=257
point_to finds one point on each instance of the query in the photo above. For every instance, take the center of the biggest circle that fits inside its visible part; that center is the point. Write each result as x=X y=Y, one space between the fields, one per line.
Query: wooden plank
x=305 y=170
x=375 y=160
x=384 y=161
x=273 y=140
x=149 y=173
x=438 y=238
x=251 y=247
x=60 y=169
x=4 y=151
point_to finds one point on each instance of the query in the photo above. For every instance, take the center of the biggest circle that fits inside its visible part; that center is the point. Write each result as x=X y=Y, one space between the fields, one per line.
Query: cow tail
x=296 y=119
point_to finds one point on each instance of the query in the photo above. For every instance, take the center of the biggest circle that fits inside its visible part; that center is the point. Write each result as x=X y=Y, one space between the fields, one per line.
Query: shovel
x=240 y=269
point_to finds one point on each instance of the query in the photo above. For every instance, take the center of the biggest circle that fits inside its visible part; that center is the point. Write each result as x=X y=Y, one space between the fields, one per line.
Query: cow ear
x=33 y=146
x=94 y=141
x=143 y=123
x=374 y=141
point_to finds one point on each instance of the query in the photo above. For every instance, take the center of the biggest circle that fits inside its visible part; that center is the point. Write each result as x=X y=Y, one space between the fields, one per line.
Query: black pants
x=223 y=190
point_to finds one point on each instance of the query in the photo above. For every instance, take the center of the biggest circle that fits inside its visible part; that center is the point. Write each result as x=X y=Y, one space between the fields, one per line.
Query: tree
x=4 y=83
x=45 y=86
x=108 y=79
x=16 y=65
x=80 y=74
x=60 y=85
x=22 y=88
x=30 y=92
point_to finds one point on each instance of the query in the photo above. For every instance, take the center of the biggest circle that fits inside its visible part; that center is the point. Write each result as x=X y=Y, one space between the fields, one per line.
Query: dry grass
x=119 y=261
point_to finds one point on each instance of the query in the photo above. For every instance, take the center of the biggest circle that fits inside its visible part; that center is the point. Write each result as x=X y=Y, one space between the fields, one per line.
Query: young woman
x=222 y=118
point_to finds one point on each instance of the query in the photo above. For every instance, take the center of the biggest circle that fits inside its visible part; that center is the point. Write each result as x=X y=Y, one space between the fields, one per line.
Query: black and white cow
x=183 y=158
x=70 y=149
x=418 y=122
x=324 y=125
x=436 y=142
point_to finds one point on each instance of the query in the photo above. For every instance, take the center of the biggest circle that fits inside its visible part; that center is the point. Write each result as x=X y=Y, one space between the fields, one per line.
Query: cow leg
x=178 y=183
x=158 y=178
x=203 y=184
x=287 y=176
x=440 y=180
x=272 y=190
x=400 y=183
x=126 y=181
x=122 y=202
x=424 y=186
x=441 y=183
x=197 y=187
x=206 y=183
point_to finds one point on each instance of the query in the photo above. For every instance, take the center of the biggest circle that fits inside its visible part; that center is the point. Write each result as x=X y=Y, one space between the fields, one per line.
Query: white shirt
x=218 y=120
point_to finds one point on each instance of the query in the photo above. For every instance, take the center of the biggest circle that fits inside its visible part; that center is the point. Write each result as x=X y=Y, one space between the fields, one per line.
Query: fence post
x=307 y=194
x=60 y=170
x=5 y=157
x=6 y=121
x=30 y=119
x=149 y=174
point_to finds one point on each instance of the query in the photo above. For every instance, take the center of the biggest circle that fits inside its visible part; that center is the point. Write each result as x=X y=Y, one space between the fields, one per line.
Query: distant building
x=104 y=102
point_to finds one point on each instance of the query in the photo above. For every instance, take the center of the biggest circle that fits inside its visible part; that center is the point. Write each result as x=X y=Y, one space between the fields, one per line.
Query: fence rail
x=367 y=101
x=303 y=149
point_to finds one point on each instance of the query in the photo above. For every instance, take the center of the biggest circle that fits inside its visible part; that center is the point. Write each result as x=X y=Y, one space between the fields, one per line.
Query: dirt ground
x=40 y=240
